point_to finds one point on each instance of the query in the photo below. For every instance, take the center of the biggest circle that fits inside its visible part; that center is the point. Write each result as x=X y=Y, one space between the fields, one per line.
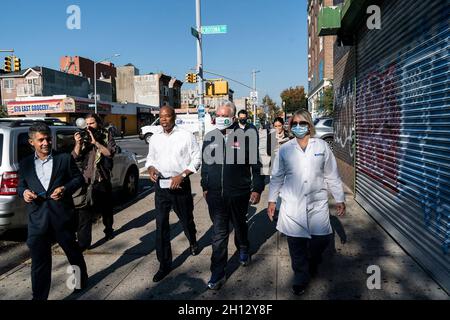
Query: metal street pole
x=200 y=91
x=254 y=72
x=95 y=86
x=95 y=77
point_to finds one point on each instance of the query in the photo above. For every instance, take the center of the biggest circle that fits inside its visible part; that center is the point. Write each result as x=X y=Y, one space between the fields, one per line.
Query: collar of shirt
x=49 y=157
x=175 y=128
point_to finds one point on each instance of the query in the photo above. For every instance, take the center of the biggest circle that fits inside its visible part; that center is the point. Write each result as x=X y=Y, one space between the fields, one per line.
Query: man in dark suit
x=47 y=181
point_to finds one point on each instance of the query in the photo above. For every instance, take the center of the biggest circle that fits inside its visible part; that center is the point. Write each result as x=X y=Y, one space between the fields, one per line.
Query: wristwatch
x=184 y=175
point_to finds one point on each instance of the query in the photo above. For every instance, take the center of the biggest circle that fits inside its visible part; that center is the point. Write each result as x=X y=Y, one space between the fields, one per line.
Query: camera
x=85 y=136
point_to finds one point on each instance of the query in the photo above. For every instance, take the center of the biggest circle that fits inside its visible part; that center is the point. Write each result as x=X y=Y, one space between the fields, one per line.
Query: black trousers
x=304 y=253
x=102 y=198
x=223 y=210
x=103 y=204
x=41 y=258
x=182 y=202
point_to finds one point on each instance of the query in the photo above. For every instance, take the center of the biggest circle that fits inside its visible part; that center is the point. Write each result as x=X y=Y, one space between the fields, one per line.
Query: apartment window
x=8 y=83
x=320 y=44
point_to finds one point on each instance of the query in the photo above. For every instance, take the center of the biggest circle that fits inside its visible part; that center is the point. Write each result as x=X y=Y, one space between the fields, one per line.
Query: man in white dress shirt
x=173 y=155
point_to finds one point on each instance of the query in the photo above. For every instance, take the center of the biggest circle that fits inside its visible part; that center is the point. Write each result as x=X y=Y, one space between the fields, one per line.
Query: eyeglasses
x=301 y=123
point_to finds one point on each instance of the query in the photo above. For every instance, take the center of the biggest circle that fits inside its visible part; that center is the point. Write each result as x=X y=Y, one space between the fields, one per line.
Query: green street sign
x=194 y=32
x=214 y=29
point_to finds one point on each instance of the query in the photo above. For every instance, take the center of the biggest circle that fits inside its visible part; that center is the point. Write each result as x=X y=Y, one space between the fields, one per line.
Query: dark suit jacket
x=44 y=210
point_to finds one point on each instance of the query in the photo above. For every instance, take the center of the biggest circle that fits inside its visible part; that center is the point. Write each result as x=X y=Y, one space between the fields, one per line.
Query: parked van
x=187 y=121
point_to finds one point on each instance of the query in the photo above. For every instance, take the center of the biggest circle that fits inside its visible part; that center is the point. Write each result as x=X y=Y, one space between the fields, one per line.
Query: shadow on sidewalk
x=145 y=247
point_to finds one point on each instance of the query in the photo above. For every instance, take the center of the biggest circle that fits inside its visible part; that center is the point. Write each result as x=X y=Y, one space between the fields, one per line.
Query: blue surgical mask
x=300 y=131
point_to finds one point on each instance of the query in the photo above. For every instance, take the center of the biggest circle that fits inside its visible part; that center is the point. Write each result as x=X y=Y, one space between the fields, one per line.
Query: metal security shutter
x=403 y=129
x=344 y=103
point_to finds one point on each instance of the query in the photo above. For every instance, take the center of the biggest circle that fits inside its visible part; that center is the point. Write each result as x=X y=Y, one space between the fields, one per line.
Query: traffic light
x=209 y=89
x=7 y=67
x=191 y=78
x=17 y=65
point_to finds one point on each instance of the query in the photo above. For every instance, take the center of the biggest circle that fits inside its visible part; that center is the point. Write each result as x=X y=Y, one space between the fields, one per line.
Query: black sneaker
x=216 y=281
x=298 y=290
x=160 y=274
x=244 y=258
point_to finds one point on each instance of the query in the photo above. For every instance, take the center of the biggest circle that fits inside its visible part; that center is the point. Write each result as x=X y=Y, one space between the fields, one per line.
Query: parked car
x=14 y=146
x=188 y=121
x=324 y=130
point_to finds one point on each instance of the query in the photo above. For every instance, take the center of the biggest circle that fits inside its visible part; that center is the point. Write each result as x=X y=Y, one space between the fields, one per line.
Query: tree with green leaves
x=326 y=102
x=294 y=99
x=3 y=112
x=273 y=110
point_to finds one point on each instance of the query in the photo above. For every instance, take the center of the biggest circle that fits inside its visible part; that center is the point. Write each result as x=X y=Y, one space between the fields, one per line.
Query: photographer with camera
x=93 y=152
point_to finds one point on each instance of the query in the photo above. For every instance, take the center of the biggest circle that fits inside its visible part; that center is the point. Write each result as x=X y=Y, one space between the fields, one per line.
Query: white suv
x=14 y=147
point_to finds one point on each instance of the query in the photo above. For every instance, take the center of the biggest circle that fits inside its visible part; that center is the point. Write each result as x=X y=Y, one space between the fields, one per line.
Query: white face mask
x=223 y=123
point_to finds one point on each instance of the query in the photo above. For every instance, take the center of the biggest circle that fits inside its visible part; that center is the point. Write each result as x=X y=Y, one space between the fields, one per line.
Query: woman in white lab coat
x=303 y=172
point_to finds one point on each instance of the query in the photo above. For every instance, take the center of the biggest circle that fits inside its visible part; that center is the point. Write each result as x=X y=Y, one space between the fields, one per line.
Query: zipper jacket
x=231 y=165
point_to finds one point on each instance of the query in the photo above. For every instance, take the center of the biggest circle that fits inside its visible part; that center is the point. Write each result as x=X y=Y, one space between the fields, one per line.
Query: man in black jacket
x=47 y=181
x=230 y=180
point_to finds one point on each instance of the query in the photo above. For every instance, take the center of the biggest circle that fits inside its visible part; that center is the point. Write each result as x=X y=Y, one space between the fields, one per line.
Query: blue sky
x=154 y=35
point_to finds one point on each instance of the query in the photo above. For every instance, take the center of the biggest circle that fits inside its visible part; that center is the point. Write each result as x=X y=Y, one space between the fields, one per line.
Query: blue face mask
x=300 y=131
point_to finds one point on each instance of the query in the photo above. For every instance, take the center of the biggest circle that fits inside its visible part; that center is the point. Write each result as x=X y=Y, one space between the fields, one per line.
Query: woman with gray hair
x=304 y=170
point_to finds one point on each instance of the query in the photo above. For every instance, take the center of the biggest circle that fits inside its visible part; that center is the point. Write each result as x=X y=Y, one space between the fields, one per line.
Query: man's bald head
x=167 y=118
x=169 y=109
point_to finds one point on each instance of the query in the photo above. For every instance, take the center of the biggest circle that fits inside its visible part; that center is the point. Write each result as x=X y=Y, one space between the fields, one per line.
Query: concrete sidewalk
x=123 y=268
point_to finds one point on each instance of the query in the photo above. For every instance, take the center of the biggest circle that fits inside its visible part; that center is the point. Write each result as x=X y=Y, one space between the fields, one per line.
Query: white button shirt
x=301 y=179
x=173 y=153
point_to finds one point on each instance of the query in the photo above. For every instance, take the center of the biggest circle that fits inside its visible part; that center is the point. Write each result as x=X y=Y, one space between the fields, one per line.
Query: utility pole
x=200 y=88
x=255 y=101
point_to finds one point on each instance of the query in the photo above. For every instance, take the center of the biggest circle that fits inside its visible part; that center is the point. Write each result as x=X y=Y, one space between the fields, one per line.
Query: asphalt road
x=13 y=249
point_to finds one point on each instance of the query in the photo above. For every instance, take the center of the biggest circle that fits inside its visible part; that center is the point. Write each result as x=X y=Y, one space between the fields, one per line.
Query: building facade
x=213 y=102
x=83 y=67
x=154 y=89
x=188 y=98
x=42 y=81
x=244 y=103
x=125 y=83
x=320 y=58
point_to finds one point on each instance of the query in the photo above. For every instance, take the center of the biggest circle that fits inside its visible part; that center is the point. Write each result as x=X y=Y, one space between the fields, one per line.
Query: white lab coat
x=301 y=179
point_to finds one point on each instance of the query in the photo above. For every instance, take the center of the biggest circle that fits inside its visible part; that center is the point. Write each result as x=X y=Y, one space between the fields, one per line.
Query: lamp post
x=254 y=72
x=95 y=78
